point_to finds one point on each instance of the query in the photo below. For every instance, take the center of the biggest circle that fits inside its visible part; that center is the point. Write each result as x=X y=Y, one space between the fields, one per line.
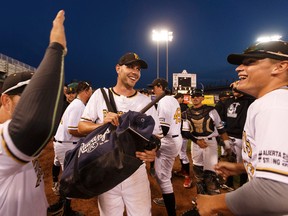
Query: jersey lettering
x=246 y=145
x=249 y=169
x=177 y=116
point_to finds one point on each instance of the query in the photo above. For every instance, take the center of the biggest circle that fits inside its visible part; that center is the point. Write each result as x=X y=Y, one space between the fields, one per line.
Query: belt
x=64 y=141
x=173 y=136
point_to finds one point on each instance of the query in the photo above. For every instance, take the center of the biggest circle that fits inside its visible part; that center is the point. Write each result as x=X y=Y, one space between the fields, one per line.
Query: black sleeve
x=39 y=109
x=165 y=130
x=188 y=135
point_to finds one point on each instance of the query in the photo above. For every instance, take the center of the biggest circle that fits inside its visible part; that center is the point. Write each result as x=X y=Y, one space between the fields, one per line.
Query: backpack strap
x=112 y=101
x=109 y=103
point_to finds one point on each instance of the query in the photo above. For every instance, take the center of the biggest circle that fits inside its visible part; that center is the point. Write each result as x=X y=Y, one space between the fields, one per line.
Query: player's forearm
x=39 y=109
x=212 y=205
x=188 y=135
x=85 y=127
x=75 y=133
x=259 y=197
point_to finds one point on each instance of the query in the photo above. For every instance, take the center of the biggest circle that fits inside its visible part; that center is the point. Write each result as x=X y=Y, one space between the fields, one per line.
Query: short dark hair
x=82 y=86
x=179 y=95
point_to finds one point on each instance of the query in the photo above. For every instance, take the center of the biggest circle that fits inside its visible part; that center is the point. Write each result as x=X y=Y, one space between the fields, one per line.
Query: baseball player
x=263 y=73
x=169 y=113
x=25 y=131
x=184 y=160
x=133 y=194
x=202 y=125
x=236 y=110
x=67 y=134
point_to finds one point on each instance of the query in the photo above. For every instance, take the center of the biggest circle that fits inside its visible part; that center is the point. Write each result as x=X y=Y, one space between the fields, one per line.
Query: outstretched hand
x=57 y=33
x=226 y=169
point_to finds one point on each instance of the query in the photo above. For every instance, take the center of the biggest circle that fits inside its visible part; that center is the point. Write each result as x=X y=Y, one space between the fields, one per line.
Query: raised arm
x=39 y=109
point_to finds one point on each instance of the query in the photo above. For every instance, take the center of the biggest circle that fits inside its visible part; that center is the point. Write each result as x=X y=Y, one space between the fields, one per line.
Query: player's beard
x=129 y=83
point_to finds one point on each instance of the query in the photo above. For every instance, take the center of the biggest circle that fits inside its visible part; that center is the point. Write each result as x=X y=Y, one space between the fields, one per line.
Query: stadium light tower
x=159 y=36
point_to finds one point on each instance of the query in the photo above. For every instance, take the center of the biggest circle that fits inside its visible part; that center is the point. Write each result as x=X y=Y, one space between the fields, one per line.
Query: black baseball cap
x=197 y=93
x=224 y=94
x=71 y=88
x=15 y=83
x=159 y=82
x=178 y=95
x=272 y=49
x=130 y=58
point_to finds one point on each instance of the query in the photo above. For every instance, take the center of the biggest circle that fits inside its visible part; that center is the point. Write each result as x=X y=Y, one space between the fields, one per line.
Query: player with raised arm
x=25 y=131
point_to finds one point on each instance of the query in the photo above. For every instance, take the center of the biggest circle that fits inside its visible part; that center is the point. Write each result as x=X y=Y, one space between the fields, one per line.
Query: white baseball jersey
x=169 y=113
x=22 y=189
x=134 y=190
x=265 y=147
x=65 y=141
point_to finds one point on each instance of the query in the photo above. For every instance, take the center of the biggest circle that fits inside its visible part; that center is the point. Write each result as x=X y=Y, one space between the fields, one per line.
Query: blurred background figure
x=234 y=117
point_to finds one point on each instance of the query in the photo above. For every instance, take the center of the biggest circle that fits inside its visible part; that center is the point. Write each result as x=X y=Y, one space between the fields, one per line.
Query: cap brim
x=142 y=63
x=198 y=95
x=237 y=59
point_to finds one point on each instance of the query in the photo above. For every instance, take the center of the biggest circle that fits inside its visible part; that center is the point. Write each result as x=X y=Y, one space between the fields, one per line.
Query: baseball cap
x=178 y=95
x=130 y=58
x=197 y=93
x=15 y=83
x=272 y=49
x=159 y=82
x=224 y=94
x=71 y=88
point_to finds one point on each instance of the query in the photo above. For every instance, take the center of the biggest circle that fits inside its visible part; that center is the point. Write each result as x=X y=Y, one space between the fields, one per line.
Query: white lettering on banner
x=98 y=140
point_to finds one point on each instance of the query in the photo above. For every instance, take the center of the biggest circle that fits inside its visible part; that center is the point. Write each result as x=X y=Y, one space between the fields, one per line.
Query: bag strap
x=112 y=101
x=109 y=103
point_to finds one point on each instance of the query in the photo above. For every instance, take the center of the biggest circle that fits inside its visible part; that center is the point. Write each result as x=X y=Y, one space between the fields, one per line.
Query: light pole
x=158 y=36
x=169 y=37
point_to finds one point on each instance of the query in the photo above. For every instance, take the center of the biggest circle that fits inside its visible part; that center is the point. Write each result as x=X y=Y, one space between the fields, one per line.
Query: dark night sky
x=99 y=32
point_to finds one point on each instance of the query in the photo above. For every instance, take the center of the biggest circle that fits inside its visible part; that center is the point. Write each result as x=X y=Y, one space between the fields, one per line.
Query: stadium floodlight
x=269 y=38
x=159 y=36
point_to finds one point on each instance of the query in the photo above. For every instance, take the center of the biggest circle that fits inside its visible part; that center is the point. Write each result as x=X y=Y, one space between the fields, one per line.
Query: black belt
x=173 y=136
x=64 y=141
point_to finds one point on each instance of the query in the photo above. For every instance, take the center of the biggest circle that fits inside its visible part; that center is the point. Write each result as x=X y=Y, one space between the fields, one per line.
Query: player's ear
x=117 y=68
x=280 y=67
x=6 y=102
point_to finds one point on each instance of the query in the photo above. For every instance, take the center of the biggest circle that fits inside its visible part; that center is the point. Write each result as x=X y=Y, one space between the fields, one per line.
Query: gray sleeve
x=259 y=197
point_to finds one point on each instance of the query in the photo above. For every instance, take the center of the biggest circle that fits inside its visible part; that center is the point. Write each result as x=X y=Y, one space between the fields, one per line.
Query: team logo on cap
x=136 y=56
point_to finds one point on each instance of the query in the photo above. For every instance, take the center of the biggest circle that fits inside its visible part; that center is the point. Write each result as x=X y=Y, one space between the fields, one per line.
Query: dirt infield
x=89 y=207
